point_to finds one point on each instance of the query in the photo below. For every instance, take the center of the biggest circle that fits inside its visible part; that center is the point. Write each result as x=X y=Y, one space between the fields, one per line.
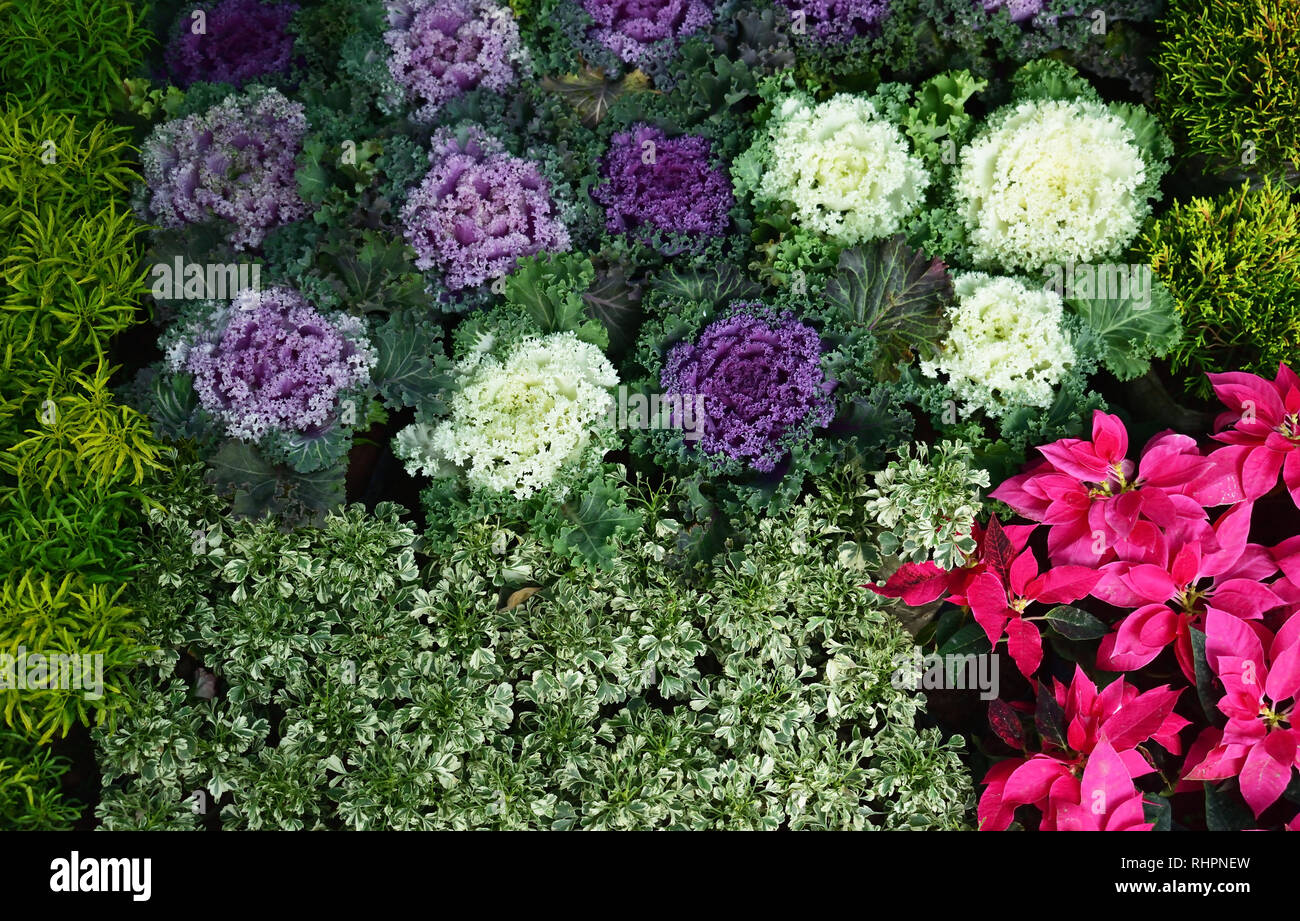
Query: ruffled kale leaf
x=412 y=369
x=1138 y=323
x=258 y=488
x=550 y=289
x=592 y=523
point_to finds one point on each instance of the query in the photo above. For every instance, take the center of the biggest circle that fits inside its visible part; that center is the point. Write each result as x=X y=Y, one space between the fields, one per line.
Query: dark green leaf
x=1224 y=808
x=1206 y=691
x=1049 y=718
x=896 y=293
x=970 y=639
x=1156 y=809
x=1132 y=326
x=1074 y=623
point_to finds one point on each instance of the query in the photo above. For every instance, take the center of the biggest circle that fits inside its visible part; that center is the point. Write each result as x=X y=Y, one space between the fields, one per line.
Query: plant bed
x=570 y=414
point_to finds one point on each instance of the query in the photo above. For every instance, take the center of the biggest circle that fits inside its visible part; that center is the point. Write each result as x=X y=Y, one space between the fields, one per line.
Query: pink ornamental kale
x=478 y=210
x=1260 y=743
x=665 y=183
x=836 y=21
x=271 y=362
x=444 y=48
x=1018 y=10
x=639 y=30
x=1264 y=439
x=759 y=373
x=233 y=163
x=241 y=40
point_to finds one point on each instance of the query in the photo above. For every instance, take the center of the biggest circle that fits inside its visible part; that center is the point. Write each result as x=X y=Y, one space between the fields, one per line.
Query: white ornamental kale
x=1006 y=347
x=1052 y=181
x=848 y=173
x=514 y=423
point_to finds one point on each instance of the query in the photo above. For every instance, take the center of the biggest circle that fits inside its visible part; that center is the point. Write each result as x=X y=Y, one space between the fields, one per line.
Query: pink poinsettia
x=1108 y=725
x=1104 y=799
x=998 y=599
x=1190 y=570
x=1265 y=436
x=1099 y=506
x=1260 y=744
x=921 y=583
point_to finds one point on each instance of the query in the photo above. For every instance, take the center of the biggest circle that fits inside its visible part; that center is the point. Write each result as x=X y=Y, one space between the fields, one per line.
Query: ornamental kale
x=759 y=372
x=836 y=21
x=241 y=40
x=233 y=164
x=271 y=362
x=479 y=209
x=639 y=31
x=444 y=48
x=515 y=422
x=1018 y=10
x=667 y=183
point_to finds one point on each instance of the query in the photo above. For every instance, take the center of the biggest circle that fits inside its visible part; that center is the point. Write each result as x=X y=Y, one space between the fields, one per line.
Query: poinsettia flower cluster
x=1264 y=435
x=239 y=41
x=479 y=209
x=233 y=163
x=669 y=184
x=442 y=49
x=1260 y=744
x=1165 y=539
x=1082 y=780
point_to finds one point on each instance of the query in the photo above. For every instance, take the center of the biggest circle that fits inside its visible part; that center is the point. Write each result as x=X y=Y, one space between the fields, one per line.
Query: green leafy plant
x=927 y=504
x=337 y=678
x=1231 y=264
x=71 y=55
x=1228 y=86
x=30 y=793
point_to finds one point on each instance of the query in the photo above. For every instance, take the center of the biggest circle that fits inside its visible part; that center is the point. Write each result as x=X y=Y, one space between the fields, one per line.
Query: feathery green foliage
x=1229 y=85
x=1233 y=266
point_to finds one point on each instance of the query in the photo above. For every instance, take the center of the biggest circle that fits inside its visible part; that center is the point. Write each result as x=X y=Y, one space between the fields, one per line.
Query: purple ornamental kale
x=637 y=30
x=837 y=21
x=666 y=183
x=444 y=48
x=242 y=39
x=1019 y=10
x=234 y=162
x=478 y=210
x=272 y=363
x=759 y=372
